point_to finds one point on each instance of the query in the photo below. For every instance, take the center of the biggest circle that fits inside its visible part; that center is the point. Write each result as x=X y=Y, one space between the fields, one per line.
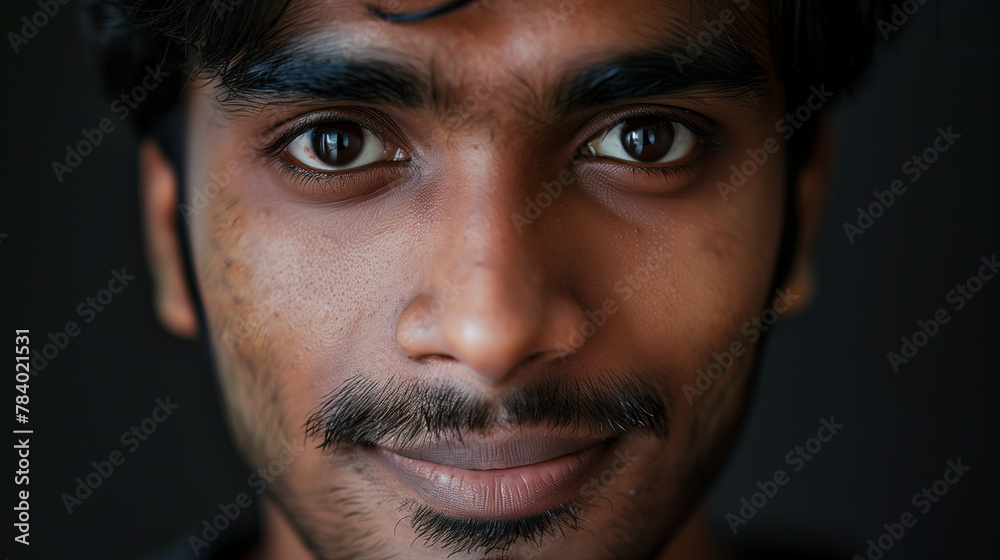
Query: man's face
x=461 y=274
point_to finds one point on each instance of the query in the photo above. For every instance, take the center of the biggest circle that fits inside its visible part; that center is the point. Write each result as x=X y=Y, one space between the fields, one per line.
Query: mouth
x=506 y=477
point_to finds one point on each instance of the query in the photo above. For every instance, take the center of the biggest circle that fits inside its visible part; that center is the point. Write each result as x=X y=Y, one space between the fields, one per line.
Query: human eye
x=339 y=146
x=337 y=155
x=650 y=150
x=646 y=140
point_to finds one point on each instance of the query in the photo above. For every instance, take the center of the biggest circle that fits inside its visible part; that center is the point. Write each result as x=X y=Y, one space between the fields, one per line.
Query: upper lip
x=487 y=452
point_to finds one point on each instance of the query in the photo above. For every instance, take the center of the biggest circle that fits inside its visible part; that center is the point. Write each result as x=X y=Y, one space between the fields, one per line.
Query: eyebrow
x=725 y=70
x=277 y=77
x=730 y=72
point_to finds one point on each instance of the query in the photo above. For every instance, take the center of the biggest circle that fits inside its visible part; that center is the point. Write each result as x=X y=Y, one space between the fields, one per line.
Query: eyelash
x=366 y=118
x=376 y=123
x=610 y=120
x=309 y=179
x=666 y=172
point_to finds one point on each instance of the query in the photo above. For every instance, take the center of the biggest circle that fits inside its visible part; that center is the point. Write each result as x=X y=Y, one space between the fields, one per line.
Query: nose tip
x=490 y=347
x=488 y=333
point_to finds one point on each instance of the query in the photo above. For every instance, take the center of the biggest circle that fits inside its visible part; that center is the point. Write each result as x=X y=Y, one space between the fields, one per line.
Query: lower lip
x=498 y=493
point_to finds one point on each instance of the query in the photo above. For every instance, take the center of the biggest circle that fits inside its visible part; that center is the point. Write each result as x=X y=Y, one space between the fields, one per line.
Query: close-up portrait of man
x=501 y=279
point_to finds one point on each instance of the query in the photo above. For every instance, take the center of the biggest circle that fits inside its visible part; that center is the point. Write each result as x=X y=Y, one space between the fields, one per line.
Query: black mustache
x=366 y=413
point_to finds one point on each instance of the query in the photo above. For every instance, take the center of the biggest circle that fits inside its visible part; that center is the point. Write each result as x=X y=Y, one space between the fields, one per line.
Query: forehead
x=559 y=55
x=523 y=38
x=496 y=21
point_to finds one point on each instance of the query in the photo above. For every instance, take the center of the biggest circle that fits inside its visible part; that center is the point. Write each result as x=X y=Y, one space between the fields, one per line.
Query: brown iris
x=648 y=140
x=337 y=144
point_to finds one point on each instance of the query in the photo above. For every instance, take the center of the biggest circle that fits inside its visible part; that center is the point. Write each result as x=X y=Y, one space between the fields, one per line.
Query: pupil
x=648 y=140
x=337 y=144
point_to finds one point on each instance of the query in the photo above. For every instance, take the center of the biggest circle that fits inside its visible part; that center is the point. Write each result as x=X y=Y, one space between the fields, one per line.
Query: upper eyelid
x=705 y=138
x=705 y=128
x=671 y=116
x=295 y=127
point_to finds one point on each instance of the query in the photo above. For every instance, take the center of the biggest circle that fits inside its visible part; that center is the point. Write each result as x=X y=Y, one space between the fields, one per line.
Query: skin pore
x=421 y=274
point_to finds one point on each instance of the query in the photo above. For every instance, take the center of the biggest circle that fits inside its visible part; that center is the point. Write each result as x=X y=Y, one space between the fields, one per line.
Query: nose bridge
x=485 y=244
x=491 y=303
x=498 y=273
x=499 y=278
x=488 y=245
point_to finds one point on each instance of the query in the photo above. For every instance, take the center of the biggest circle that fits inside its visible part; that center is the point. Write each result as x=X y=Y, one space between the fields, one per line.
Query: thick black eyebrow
x=724 y=70
x=287 y=76
x=729 y=71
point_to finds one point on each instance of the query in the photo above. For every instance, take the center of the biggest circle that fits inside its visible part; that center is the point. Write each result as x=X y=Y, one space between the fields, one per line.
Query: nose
x=496 y=305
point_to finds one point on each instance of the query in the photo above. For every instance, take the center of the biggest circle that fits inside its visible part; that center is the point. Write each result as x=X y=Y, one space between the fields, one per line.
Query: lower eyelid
x=389 y=152
x=701 y=155
x=649 y=183
x=341 y=186
x=700 y=145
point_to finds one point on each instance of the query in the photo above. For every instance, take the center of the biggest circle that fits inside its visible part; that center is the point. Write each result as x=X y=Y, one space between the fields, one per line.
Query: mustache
x=366 y=412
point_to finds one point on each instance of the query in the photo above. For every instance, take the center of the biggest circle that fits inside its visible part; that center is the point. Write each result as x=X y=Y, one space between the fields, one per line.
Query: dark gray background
x=63 y=239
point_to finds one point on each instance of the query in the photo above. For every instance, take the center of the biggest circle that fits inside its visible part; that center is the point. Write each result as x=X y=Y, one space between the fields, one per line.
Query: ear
x=158 y=198
x=812 y=189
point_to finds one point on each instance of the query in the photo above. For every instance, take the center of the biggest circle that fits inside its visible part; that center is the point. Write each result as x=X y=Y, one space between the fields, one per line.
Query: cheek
x=246 y=346
x=252 y=346
x=290 y=294
x=691 y=272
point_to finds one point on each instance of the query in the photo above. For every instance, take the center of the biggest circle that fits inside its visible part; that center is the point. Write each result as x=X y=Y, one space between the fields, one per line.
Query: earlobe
x=158 y=198
x=812 y=190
